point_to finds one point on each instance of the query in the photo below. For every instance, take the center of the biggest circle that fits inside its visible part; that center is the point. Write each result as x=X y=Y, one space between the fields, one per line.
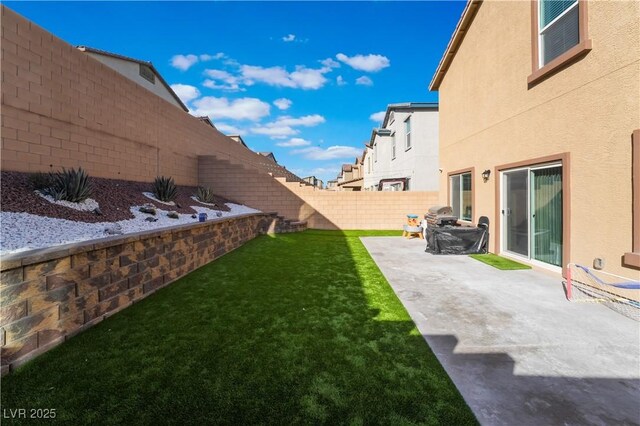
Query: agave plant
x=41 y=181
x=69 y=185
x=205 y=195
x=165 y=189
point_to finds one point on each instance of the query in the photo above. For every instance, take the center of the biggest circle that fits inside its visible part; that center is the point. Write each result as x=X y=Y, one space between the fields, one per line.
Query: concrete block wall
x=62 y=108
x=321 y=209
x=50 y=295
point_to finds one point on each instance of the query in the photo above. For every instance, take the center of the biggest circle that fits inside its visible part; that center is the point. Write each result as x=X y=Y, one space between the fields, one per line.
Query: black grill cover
x=457 y=240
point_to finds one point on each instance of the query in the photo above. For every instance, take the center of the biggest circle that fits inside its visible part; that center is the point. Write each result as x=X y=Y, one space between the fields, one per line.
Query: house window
x=559 y=35
x=392 y=117
x=461 y=195
x=393 y=146
x=559 y=28
x=407 y=132
x=147 y=73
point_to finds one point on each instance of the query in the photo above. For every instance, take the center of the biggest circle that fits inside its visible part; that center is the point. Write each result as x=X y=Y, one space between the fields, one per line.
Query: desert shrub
x=69 y=185
x=205 y=195
x=165 y=189
x=40 y=181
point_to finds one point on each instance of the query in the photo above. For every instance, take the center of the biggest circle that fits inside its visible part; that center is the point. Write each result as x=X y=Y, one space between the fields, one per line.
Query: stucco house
x=403 y=153
x=350 y=177
x=540 y=129
x=142 y=72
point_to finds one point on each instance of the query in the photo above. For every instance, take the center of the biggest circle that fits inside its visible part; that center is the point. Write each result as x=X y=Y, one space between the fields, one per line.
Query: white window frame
x=407 y=134
x=461 y=195
x=503 y=232
x=549 y=25
x=393 y=146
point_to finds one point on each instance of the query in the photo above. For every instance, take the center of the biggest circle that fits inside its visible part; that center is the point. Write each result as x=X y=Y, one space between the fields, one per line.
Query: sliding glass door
x=531 y=212
x=516 y=212
x=546 y=215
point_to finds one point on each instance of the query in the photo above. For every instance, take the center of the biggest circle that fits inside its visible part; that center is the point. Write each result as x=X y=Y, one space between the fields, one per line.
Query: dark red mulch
x=114 y=196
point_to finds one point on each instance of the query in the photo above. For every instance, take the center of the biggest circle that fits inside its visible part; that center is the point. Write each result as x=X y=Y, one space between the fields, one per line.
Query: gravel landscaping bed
x=115 y=198
x=29 y=221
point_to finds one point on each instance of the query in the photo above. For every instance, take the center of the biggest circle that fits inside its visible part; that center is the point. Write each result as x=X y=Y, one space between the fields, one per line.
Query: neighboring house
x=403 y=153
x=206 y=120
x=539 y=123
x=367 y=168
x=239 y=139
x=332 y=185
x=268 y=155
x=350 y=178
x=313 y=181
x=142 y=72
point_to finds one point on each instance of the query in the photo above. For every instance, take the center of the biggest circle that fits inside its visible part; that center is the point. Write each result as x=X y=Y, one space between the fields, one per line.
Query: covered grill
x=445 y=236
x=439 y=216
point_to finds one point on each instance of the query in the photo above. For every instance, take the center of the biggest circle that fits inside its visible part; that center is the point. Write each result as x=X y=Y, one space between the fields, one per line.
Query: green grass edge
x=499 y=262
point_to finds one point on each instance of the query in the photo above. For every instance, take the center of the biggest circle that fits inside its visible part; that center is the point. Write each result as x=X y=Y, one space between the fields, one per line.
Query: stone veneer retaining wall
x=50 y=295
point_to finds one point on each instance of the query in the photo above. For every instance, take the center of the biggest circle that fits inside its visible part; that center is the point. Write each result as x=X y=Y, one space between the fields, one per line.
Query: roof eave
x=138 y=61
x=469 y=12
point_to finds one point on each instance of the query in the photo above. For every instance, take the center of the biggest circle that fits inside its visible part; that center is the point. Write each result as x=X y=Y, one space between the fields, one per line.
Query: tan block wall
x=321 y=209
x=49 y=295
x=489 y=117
x=63 y=108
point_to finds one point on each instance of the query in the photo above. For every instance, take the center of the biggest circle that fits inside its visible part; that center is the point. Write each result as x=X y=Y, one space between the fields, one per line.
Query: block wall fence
x=62 y=108
x=321 y=209
x=50 y=295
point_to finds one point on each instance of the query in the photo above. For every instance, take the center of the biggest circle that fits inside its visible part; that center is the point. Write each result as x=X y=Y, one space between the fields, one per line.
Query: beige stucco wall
x=489 y=116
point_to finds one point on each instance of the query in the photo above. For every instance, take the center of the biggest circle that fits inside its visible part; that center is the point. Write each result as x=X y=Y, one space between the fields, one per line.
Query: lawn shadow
x=301 y=328
x=498 y=395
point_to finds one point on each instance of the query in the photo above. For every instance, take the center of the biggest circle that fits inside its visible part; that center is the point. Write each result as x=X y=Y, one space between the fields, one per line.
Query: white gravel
x=25 y=231
x=194 y=198
x=88 y=205
x=153 y=197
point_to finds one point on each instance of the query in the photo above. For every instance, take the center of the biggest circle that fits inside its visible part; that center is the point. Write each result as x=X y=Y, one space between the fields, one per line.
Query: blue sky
x=300 y=79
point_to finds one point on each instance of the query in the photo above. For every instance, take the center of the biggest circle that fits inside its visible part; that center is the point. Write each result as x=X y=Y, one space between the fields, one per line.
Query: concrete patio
x=518 y=352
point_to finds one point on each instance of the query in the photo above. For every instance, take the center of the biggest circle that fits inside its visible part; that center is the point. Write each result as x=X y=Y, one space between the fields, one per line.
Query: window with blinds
x=559 y=28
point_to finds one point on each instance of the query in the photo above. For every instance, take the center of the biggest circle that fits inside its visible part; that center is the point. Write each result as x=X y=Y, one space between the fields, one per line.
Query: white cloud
x=340 y=81
x=294 y=142
x=274 y=131
x=302 y=77
x=330 y=63
x=183 y=62
x=368 y=63
x=229 y=129
x=211 y=84
x=283 y=126
x=331 y=153
x=378 y=117
x=239 y=109
x=289 y=38
x=306 y=121
x=231 y=83
x=185 y=92
x=282 y=103
x=364 y=81
x=206 y=57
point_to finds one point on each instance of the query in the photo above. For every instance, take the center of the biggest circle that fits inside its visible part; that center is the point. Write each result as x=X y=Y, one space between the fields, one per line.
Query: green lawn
x=499 y=262
x=297 y=328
